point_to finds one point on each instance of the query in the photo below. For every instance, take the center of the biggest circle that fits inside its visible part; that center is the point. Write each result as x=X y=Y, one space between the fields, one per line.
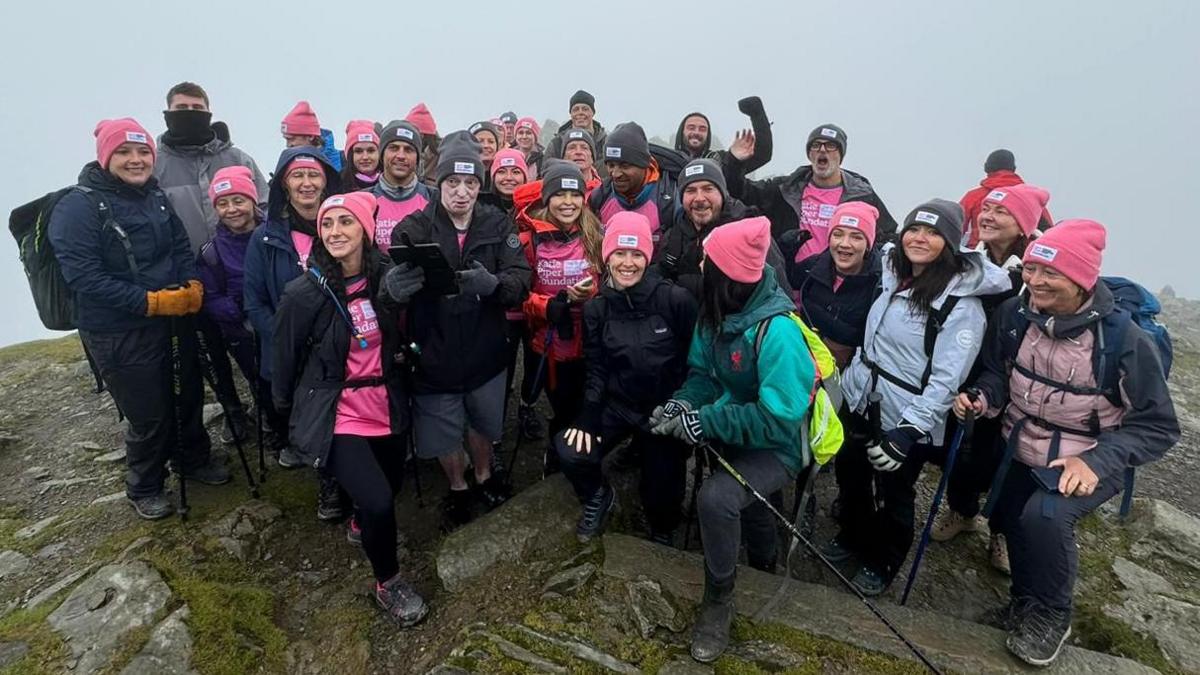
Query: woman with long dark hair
x=360 y=170
x=337 y=366
x=922 y=336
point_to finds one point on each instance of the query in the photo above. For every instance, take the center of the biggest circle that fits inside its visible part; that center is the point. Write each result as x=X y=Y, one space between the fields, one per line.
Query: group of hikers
x=377 y=300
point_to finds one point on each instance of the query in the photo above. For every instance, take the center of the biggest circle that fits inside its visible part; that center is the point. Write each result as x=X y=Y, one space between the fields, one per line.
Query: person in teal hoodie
x=747 y=398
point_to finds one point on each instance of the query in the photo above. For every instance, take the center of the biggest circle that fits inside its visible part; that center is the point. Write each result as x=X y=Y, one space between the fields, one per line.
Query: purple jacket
x=219 y=267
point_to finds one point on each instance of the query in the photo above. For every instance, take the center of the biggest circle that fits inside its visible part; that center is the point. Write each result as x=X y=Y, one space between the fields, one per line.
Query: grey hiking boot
x=710 y=634
x=332 y=504
x=154 y=507
x=869 y=582
x=209 y=473
x=1041 y=634
x=401 y=602
x=290 y=458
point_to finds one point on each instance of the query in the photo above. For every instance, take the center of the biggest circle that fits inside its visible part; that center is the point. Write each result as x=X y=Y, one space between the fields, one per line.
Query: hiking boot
x=401 y=601
x=354 y=532
x=456 y=509
x=154 y=507
x=210 y=473
x=530 y=421
x=290 y=458
x=835 y=551
x=710 y=633
x=595 y=514
x=331 y=505
x=492 y=492
x=950 y=523
x=1010 y=616
x=236 y=428
x=869 y=582
x=998 y=553
x=1041 y=634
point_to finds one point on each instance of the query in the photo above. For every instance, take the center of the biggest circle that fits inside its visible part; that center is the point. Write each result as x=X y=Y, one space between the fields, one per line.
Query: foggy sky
x=1097 y=99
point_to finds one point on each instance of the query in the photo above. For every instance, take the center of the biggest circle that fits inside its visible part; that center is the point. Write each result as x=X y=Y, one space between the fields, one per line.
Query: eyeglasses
x=827 y=146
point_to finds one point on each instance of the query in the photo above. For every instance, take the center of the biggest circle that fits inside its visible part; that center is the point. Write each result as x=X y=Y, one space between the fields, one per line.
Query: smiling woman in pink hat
x=360 y=170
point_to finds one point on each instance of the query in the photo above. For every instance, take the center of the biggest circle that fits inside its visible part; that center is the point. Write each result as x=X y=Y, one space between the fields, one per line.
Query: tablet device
x=439 y=276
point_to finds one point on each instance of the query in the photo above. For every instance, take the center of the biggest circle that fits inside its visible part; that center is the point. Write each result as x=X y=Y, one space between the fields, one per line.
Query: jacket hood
x=680 y=143
x=767 y=300
x=978 y=278
x=1001 y=178
x=276 y=199
x=1100 y=305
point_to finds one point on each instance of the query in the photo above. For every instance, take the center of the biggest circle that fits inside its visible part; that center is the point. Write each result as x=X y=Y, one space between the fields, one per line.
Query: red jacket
x=972 y=202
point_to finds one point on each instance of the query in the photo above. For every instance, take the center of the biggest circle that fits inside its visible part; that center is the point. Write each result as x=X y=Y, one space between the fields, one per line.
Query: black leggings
x=370 y=470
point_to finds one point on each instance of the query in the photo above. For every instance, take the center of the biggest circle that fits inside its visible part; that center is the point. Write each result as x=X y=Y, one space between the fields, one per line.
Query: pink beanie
x=301 y=121
x=529 y=123
x=422 y=119
x=740 y=248
x=1025 y=202
x=1073 y=247
x=859 y=216
x=303 y=162
x=510 y=157
x=232 y=180
x=110 y=134
x=627 y=229
x=360 y=131
x=361 y=205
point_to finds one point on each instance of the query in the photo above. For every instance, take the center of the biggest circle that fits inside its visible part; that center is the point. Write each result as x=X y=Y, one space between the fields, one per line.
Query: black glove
x=792 y=241
x=890 y=454
x=751 y=106
x=476 y=280
x=558 y=314
x=403 y=281
x=589 y=418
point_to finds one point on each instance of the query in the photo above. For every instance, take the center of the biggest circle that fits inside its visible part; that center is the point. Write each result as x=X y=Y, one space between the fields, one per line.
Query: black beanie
x=508 y=117
x=627 y=143
x=560 y=175
x=942 y=215
x=577 y=135
x=490 y=128
x=703 y=169
x=1000 y=160
x=583 y=97
x=828 y=132
x=400 y=130
x=459 y=154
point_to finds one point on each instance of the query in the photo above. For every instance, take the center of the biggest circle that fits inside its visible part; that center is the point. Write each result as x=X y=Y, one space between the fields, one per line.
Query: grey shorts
x=440 y=421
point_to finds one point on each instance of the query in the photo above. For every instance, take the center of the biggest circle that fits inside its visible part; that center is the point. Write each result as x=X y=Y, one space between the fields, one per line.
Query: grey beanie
x=583 y=97
x=942 y=215
x=627 y=143
x=400 y=130
x=509 y=117
x=1000 y=160
x=828 y=132
x=490 y=128
x=703 y=169
x=577 y=135
x=459 y=154
x=560 y=175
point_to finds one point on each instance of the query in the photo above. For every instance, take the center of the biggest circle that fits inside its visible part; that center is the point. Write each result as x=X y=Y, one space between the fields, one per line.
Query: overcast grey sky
x=1099 y=99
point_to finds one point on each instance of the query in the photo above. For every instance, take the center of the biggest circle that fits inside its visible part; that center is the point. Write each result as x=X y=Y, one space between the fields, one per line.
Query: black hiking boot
x=456 y=509
x=331 y=503
x=492 y=492
x=154 y=507
x=835 y=551
x=1008 y=617
x=401 y=602
x=530 y=421
x=211 y=472
x=710 y=634
x=595 y=514
x=1040 y=635
x=869 y=582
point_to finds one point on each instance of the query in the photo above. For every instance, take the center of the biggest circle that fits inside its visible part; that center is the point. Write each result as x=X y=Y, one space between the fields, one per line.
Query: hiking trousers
x=728 y=512
x=370 y=469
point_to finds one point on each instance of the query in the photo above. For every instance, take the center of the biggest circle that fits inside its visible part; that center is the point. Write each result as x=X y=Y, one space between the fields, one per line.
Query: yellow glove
x=168 y=302
x=195 y=291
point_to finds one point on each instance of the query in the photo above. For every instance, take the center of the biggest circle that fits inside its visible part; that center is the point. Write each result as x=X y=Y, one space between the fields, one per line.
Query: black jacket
x=779 y=197
x=461 y=338
x=309 y=369
x=840 y=315
x=678 y=253
x=635 y=344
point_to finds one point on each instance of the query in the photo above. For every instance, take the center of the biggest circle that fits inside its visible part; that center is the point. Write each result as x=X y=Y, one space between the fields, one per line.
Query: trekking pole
x=416 y=466
x=813 y=549
x=874 y=418
x=961 y=437
x=209 y=373
x=176 y=394
x=697 y=478
x=258 y=410
x=537 y=391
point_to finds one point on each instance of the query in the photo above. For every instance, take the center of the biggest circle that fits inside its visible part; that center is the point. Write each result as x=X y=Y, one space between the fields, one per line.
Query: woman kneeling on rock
x=745 y=397
x=338 y=360
x=1086 y=402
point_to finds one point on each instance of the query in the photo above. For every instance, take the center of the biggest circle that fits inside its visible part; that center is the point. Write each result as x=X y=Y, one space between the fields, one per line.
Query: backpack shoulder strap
x=1106 y=355
x=107 y=222
x=760 y=332
x=935 y=321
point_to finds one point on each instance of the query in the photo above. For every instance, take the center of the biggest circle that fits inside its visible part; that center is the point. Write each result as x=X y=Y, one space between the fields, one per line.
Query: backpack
x=824 y=433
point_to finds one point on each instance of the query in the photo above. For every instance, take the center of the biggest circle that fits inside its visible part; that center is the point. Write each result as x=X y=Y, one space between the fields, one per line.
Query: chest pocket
x=640 y=343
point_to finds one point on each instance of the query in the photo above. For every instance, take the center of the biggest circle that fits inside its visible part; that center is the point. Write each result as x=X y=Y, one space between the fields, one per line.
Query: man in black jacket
x=459 y=333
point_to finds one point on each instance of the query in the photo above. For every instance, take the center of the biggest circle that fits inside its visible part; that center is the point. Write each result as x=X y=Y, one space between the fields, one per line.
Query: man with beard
x=583 y=116
x=189 y=155
x=635 y=182
x=804 y=201
x=706 y=204
x=399 y=190
x=694 y=136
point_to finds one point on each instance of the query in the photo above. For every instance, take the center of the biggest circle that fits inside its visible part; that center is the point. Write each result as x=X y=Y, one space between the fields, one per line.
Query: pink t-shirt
x=462 y=239
x=303 y=243
x=649 y=208
x=390 y=214
x=363 y=411
x=559 y=265
x=816 y=208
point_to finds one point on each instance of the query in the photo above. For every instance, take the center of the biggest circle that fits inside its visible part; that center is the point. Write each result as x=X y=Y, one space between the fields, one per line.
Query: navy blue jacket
x=271 y=258
x=109 y=296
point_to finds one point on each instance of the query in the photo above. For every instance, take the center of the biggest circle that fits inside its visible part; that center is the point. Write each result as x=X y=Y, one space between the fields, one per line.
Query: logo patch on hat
x=926 y=217
x=615 y=153
x=570 y=184
x=997 y=195
x=335 y=201
x=693 y=170
x=829 y=133
x=627 y=240
x=574 y=134
x=283 y=127
x=508 y=161
x=404 y=133
x=135 y=137
x=223 y=186
x=525 y=125
x=1043 y=252
x=467 y=168
x=475 y=127
x=366 y=138
x=848 y=221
